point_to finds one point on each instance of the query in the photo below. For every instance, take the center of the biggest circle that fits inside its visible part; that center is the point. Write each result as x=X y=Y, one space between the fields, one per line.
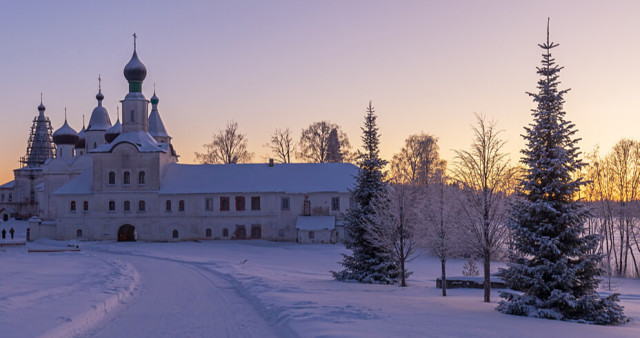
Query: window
x=256 y=231
x=284 y=205
x=126 y=178
x=239 y=203
x=312 y=235
x=2 y=198
x=10 y=197
x=241 y=232
x=141 y=177
x=126 y=206
x=208 y=204
x=85 y=206
x=94 y=145
x=112 y=205
x=224 y=203
x=141 y=206
x=175 y=233
x=181 y=205
x=225 y=232
x=72 y=207
x=112 y=177
x=335 y=203
x=255 y=202
x=207 y=233
x=79 y=233
x=133 y=115
x=167 y=205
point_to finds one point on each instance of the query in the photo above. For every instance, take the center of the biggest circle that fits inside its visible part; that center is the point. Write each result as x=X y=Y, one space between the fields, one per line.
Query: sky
x=427 y=66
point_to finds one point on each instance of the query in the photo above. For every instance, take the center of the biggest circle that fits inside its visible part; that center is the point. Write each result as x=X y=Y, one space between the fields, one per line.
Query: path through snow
x=182 y=299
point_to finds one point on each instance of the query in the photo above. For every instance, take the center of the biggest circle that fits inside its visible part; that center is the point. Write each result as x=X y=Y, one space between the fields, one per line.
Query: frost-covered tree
x=418 y=161
x=368 y=262
x=314 y=141
x=227 y=147
x=395 y=225
x=554 y=264
x=485 y=176
x=441 y=235
x=334 y=154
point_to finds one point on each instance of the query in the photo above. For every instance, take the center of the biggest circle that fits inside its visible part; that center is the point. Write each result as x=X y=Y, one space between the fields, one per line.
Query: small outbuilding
x=316 y=229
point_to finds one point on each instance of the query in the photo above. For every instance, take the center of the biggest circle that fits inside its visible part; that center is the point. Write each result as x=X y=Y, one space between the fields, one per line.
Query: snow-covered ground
x=250 y=289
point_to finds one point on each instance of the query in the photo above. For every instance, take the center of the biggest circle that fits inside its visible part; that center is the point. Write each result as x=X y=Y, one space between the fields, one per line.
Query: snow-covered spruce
x=554 y=262
x=369 y=263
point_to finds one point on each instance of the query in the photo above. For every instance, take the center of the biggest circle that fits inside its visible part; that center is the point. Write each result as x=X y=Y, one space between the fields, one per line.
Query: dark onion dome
x=154 y=98
x=81 y=139
x=113 y=132
x=99 y=117
x=41 y=108
x=135 y=71
x=65 y=135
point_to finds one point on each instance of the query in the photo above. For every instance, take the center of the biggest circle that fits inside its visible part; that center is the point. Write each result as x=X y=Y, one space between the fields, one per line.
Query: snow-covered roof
x=315 y=222
x=247 y=178
x=80 y=185
x=140 y=139
x=8 y=185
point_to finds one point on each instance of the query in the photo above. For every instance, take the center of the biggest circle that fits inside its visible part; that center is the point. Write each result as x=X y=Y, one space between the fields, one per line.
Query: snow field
x=286 y=285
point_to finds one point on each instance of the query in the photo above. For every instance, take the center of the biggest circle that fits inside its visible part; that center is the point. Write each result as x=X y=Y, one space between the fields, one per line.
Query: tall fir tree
x=368 y=263
x=554 y=262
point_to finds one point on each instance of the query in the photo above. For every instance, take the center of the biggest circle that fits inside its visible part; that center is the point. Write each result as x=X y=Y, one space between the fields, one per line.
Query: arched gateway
x=126 y=233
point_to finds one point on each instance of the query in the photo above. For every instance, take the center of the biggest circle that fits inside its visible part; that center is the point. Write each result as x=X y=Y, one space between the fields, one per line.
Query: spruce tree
x=368 y=263
x=554 y=262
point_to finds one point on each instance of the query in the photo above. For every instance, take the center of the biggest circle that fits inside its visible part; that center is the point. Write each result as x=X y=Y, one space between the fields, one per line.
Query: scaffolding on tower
x=40 y=147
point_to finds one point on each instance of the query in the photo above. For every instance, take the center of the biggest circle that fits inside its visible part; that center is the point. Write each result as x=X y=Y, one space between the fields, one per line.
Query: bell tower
x=135 y=107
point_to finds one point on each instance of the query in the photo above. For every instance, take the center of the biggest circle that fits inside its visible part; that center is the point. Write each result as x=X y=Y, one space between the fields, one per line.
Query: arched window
x=181 y=205
x=95 y=145
x=207 y=233
x=167 y=205
x=79 y=233
x=175 y=233
x=312 y=235
x=126 y=178
x=112 y=205
x=85 y=206
x=126 y=206
x=2 y=198
x=225 y=232
x=141 y=206
x=72 y=207
x=112 y=177
x=141 y=177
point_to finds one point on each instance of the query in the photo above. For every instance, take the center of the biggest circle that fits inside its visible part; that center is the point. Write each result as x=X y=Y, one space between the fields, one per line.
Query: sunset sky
x=426 y=65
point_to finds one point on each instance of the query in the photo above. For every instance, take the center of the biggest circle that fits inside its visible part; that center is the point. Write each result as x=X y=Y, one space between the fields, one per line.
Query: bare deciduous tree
x=227 y=147
x=485 y=174
x=395 y=224
x=441 y=233
x=314 y=142
x=282 y=145
x=418 y=161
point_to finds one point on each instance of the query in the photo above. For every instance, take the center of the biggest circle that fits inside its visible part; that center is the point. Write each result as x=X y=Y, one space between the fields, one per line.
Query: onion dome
x=65 y=135
x=99 y=117
x=113 y=132
x=154 y=98
x=81 y=139
x=135 y=72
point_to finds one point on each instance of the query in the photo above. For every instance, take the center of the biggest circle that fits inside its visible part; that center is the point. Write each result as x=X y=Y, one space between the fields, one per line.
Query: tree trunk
x=444 y=277
x=487 y=278
x=402 y=272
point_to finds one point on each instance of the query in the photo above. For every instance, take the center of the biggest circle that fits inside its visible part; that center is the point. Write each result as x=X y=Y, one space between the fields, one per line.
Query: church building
x=123 y=182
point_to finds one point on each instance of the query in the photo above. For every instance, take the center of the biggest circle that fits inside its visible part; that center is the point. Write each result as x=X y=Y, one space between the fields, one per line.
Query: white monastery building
x=123 y=182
